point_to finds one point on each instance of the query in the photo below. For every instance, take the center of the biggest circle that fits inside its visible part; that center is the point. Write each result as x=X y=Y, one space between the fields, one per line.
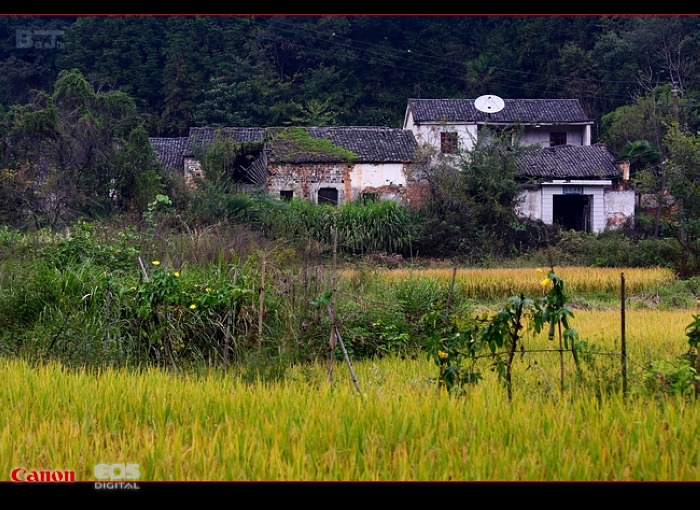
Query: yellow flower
x=176 y=274
x=208 y=290
x=156 y=262
x=443 y=355
x=546 y=282
x=193 y=306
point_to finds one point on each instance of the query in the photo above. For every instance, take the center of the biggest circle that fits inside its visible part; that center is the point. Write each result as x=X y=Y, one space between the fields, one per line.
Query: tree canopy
x=184 y=71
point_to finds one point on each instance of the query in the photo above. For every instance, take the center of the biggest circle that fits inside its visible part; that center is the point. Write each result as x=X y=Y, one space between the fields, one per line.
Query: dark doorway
x=571 y=212
x=328 y=196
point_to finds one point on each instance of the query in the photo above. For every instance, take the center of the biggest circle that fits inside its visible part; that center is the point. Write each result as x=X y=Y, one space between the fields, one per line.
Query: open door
x=572 y=211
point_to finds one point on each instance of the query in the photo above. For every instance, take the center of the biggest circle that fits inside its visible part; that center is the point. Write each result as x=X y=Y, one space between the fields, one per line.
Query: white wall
x=529 y=204
x=430 y=134
x=365 y=175
x=609 y=209
x=575 y=135
x=619 y=207
x=598 y=221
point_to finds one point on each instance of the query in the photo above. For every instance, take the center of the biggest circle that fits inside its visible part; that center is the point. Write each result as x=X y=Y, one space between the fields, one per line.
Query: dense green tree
x=119 y=52
x=184 y=74
x=260 y=70
x=472 y=200
x=72 y=153
x=683 y=163
x=30 y=48
x=645 y=119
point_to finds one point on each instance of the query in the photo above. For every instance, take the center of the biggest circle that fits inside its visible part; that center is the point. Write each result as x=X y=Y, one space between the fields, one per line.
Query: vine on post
x=500 y=336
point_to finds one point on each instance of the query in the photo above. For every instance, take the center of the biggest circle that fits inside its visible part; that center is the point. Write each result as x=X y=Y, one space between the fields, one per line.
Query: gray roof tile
x=568 y=162
x=518 y=111
x=202 y=136
x=169 y=152
x=372 y=144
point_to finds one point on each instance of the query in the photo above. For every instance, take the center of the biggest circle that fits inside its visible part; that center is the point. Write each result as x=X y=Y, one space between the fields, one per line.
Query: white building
x=570 y=181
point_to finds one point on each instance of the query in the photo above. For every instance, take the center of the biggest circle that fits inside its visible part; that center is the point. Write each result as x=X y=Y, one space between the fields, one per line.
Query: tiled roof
x=202 y=136
x=519 y=111
x=569 y=162
x=388 y=145
x=370 y=144
x=169 y=152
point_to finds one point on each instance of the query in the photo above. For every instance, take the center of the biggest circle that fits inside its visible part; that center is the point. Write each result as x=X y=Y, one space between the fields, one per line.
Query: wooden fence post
x=623 y=339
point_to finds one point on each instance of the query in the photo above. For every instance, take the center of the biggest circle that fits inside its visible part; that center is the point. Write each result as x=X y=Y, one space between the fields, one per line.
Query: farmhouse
x=452 y=125
x=566 y=179
x=570 y=182
x=341 y=164
x=580 y=187
x=321 y=164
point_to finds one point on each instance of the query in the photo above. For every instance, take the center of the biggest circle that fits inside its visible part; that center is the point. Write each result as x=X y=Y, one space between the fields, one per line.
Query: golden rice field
x=402 y=427
x=498 y=283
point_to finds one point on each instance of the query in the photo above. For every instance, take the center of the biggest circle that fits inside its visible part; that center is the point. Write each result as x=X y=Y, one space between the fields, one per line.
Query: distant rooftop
x=515 y=111
x=372 y=144
x=169 y=152
x=200 y=137
x=569 y=162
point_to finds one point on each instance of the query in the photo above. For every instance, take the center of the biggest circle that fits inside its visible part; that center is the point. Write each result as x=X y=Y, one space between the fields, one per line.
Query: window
x=448 y=143
x=557 y=139
x=328 y=196
x=286 y=195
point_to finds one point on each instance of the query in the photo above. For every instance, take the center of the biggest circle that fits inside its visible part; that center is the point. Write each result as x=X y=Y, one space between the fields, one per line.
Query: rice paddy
x=501 y=283
x=400 y=427
x=307 y=428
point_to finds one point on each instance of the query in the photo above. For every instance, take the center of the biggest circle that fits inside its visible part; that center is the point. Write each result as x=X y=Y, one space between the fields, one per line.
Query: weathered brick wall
x=416 y=195
x=305 y=180
x=193 y=169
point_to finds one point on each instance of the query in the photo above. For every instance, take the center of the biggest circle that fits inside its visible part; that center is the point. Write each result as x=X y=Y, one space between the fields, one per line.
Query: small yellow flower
x=443 y=355
x=176 y=274
x=193 y=306
x=208 y=290
x=546 y=282
x=156 y=262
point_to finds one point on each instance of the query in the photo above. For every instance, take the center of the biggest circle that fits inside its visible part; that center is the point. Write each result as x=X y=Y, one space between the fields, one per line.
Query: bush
x=675 y=377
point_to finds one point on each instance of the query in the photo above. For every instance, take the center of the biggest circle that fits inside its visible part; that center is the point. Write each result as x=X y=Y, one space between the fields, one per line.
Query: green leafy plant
x=671 y=377
x=551 y=311
x=693 y=334
x=451 y=346
x=501 y=333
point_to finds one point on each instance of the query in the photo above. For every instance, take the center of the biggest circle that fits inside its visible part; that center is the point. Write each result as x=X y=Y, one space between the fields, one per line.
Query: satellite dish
x=489 y=104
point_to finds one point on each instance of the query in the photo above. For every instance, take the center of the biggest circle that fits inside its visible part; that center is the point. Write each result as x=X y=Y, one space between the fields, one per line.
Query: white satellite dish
x=489 y=104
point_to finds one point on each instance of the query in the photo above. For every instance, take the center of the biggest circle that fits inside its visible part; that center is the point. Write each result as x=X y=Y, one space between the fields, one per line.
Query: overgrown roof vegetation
x=289 y=142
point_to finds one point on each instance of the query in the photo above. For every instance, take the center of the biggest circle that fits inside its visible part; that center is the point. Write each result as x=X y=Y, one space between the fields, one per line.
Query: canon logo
x=21 y=474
